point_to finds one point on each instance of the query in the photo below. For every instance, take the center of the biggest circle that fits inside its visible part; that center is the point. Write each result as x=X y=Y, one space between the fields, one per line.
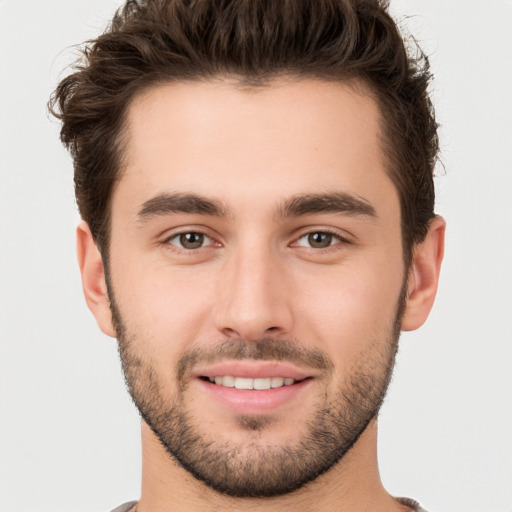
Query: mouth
x=254 y=387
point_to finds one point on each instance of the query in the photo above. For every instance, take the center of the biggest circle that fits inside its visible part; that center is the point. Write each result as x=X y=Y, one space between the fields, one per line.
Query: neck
x=352 y=485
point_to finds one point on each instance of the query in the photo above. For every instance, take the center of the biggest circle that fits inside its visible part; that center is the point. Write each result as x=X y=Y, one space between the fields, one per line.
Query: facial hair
x=253 y=469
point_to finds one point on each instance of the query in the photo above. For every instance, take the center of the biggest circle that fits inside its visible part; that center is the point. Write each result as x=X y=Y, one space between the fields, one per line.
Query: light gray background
x=69 y=436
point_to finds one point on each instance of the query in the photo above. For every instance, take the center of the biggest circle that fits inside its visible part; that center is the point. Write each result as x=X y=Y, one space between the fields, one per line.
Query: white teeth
x=277 y=382
x=228 y=381
x=241 y=383
x=248 y=383
x=262 y=383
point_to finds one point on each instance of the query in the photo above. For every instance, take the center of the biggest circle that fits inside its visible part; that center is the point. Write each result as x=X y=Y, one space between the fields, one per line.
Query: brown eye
x=318 y=240
x=191 y=240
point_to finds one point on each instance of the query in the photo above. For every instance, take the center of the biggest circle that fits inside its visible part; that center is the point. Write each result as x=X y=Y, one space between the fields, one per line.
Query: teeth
x=243 y=383
x=248 y=383
x=277 y=382
x=228 y=381
x=262 y=383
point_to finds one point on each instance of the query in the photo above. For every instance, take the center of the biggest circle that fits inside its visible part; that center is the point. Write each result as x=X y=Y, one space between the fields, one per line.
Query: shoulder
x=126 y=507
x=416 y=507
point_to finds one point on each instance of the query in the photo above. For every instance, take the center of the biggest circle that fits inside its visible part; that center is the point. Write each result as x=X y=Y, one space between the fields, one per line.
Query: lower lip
x=249 y=401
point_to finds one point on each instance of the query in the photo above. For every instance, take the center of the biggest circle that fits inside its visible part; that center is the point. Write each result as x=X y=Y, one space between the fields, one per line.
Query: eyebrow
x=338 y=202
x=297 y=206
x=164 y=204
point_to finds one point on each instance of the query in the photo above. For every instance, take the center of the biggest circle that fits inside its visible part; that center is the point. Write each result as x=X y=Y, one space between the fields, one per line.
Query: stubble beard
x=255 y=469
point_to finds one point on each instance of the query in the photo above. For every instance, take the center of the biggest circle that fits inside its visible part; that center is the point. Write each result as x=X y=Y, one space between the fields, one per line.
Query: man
x=255 y=183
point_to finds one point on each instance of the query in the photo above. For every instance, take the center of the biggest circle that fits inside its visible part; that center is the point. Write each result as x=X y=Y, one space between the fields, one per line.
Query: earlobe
x=93 y=278
x=424 y=276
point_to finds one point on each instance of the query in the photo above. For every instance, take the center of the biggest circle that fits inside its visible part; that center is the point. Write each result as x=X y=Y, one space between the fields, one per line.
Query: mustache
x=264 y=349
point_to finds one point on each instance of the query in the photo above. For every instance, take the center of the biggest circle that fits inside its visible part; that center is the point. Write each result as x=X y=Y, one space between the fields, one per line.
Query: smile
x=253 y=387
x=248 y=383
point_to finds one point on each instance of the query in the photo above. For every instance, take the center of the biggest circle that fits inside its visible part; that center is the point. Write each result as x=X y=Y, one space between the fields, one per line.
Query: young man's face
x=256 y=243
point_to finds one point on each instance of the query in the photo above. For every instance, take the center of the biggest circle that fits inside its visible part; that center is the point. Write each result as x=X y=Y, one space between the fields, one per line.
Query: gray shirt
x=131 y=505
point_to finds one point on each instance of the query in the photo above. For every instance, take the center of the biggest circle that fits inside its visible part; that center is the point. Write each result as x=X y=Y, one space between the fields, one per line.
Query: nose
x=253 y=300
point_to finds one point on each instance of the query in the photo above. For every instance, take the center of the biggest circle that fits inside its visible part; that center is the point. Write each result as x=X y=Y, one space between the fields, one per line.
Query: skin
x=257 y=276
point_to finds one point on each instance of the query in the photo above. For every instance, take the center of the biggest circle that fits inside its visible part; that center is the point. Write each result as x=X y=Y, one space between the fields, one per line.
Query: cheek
x=164 y=306
x=351 y=307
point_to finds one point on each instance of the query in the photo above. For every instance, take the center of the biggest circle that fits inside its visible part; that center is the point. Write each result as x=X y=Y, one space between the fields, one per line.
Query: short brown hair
x=155 y=41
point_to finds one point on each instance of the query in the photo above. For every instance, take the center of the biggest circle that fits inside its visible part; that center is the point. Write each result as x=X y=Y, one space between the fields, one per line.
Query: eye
x=318 y=240
x=190 y=240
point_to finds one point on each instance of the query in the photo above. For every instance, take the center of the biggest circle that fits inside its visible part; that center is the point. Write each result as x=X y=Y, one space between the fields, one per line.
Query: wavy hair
x=255 y=41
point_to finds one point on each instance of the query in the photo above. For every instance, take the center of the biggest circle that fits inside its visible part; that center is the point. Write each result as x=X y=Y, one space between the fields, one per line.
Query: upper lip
x=252 y=369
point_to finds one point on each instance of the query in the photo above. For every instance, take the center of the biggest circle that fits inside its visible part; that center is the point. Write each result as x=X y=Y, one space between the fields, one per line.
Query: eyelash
x=341 y=241
x=168 y=241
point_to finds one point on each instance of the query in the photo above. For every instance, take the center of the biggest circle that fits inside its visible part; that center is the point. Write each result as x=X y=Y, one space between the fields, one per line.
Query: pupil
x=320 y=240
x=191 y=240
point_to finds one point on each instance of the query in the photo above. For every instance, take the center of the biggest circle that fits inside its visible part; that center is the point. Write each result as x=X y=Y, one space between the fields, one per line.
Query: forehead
x=239 y=144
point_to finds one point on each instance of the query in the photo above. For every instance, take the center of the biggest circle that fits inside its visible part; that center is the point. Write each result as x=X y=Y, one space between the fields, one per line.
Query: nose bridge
x=252 y=301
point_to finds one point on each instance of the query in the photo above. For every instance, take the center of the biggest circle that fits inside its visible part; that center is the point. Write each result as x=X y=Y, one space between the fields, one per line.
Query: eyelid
x=168 y=235
x=343 y=236
x=165 y=239
x=333 y=241
x=207 y=240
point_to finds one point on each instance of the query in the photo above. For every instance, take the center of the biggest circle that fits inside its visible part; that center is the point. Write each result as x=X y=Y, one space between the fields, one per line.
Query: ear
x=93 y=278
x=424 y=276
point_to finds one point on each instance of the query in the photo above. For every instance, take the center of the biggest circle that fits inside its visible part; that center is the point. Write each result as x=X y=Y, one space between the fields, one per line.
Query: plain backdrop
x=69 y=435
